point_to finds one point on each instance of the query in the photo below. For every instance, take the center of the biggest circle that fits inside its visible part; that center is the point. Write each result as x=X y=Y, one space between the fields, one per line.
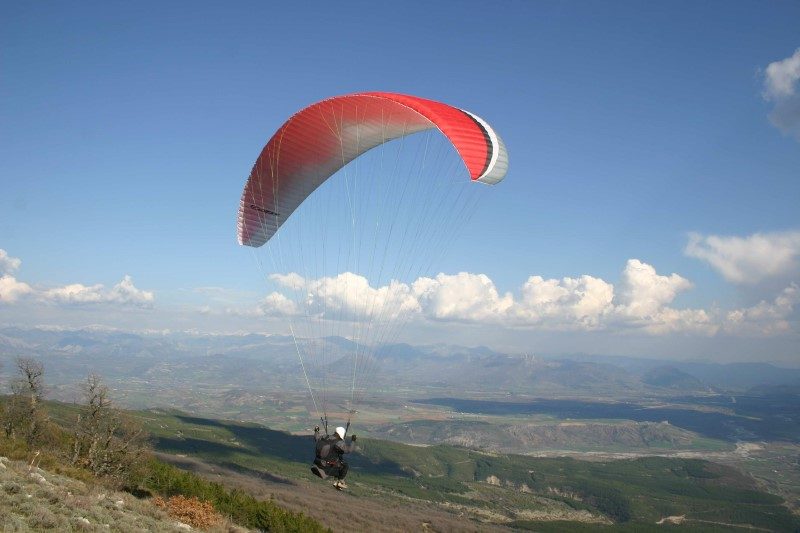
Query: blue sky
x=127 y=132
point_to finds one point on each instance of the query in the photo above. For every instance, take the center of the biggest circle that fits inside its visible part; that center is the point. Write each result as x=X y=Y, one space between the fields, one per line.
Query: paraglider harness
x=331 y=459
x=327 y=458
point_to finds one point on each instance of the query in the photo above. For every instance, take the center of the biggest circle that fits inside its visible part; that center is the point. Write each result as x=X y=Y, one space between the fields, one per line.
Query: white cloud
x=643 y=302
x=643 y=293
x=276 y=304
x=11 y=289
x=126 y=293
x=780 y=87
x=463 y=297
x=349 y=296
x=782 y=76
x=670 y=320
x=74 y=293
x=569 y=302
x=123 y=293
x=751 y=259
x=346 y=296
x=584 y=303
x=765 y=318
x=8 y=264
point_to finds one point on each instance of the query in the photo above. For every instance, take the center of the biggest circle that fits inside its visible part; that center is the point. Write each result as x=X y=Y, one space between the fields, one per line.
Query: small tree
x=106 y=441
x=25 y=415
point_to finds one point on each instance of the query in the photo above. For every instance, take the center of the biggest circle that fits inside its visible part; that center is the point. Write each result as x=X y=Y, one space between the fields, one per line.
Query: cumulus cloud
x=276 y=304
x=11 y=289
x=781 y=88
x=463 y=296
x=8 y=264
x=670 y=320
x=643 y=293
x=751 y=259
x=642 y=301
x=584 y=303
x=126 y=293
x=123 y=293
x=765 y=318
x=347 y=296
x=74 y=293
x=580 y=303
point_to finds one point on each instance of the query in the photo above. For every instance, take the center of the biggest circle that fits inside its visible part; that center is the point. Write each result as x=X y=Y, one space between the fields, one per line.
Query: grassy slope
x=151 y=477
x=633 y=493
x=32 y=499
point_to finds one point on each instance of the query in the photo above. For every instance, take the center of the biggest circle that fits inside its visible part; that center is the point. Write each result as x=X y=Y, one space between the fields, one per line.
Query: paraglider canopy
x=319 y=140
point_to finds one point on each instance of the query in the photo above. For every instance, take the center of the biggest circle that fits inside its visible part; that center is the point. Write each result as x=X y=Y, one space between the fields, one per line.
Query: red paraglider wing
x=322 y=138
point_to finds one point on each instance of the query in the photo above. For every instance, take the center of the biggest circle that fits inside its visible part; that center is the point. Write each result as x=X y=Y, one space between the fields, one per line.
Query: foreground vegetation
x=97 y=445
x=153 y=477
x=33 y=499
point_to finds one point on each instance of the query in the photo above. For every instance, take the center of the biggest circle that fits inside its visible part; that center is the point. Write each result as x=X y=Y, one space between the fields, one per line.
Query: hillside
x=454 y=462
x=48 y=483
x=523 y=437
x=33 y=499
x=671 y=378
x=486 y=490
x=260 y=478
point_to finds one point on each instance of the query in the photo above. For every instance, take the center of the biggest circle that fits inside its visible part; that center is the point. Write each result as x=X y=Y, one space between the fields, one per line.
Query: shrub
x=240 y=506
x=190 y=511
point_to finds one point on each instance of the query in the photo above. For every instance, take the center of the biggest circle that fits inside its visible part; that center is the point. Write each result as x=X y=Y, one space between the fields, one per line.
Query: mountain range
x=255 y=360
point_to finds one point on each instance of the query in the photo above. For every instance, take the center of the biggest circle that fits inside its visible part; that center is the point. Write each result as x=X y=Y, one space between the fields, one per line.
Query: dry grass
x=33 y=499
x=190 y=511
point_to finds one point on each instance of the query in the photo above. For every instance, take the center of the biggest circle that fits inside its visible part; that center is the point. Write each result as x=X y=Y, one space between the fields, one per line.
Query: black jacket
x=331 y=448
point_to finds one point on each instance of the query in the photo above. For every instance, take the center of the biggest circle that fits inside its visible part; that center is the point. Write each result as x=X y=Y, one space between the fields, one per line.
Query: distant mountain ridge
x=254 y=359
x=725 y=376
x=671 y=378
